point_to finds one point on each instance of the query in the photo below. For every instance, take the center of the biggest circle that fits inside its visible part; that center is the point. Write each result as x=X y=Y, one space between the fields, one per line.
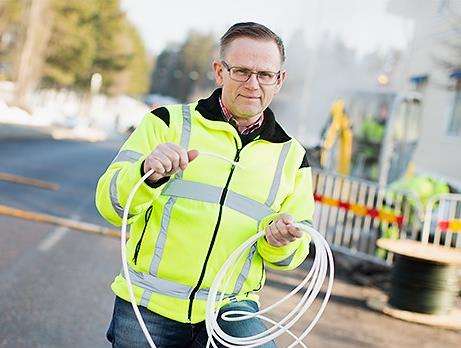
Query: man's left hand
x=282 y=231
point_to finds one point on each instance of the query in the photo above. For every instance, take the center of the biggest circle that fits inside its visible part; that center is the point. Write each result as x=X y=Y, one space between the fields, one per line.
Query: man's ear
x=283 y=75
x=218 y=73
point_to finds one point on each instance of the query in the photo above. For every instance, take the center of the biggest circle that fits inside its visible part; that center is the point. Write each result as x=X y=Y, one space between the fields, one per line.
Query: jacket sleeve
x=125 y=171
x=300 y=205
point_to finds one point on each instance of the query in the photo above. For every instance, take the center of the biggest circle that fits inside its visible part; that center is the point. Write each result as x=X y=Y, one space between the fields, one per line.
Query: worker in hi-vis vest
x=370 y=138
x=195 y=210
x=419 y=188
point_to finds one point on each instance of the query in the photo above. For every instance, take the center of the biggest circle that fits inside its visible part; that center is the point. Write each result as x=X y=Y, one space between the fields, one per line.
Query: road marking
x=55 y=236
x=52 y=239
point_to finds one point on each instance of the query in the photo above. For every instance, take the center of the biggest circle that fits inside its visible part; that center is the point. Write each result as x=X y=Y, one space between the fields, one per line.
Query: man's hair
x=251 y=30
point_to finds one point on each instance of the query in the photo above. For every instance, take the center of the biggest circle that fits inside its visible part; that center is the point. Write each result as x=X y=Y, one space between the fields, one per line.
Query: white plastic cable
x=323 y=260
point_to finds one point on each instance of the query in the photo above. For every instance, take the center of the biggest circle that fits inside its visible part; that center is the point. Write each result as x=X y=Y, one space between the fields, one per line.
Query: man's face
x=250 y=98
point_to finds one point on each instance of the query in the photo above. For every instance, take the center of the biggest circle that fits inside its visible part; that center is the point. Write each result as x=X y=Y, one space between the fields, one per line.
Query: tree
x=32 y=35
x=10 y=14
x=196 y=56
x=11 y=23
x=113 y=54
x=72 y=48
x=164 y=72
x=448 y=54
x=134 y=79
x=181 y=72
x=95 y=37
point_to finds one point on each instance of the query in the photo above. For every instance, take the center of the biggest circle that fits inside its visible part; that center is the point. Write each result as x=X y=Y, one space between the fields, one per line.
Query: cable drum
x=423 y=286
x=424 y=280
x=312 y=285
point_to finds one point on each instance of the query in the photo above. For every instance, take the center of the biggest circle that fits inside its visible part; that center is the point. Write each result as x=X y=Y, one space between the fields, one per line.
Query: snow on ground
x=71 y=116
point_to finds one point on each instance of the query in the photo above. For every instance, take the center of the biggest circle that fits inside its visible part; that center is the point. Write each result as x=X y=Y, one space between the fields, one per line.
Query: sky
x=362 y=24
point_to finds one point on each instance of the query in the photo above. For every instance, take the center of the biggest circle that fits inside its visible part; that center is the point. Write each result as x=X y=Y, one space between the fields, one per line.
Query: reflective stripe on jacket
x=183 y=231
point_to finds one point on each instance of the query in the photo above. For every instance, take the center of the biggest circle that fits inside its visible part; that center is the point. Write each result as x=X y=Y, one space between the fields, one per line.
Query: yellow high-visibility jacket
x=182 y=231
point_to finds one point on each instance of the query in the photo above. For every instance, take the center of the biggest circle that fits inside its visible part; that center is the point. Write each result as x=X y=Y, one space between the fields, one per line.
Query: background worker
x=369 y=144
x=419 y=189
x=194 y=211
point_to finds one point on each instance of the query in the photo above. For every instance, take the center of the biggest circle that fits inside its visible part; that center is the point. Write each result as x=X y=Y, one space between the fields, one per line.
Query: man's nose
x=252 y=82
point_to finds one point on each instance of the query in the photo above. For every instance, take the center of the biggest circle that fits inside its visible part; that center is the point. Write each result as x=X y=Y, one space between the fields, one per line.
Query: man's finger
x=183 y=159
x=173 y=157
x=287 y=219
x=272 y=240
x=295 y=231
x=165 y=161
x=282 y=227
x=192 y=154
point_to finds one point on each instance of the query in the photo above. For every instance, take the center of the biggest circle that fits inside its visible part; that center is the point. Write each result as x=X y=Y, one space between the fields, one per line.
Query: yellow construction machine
x=339 y=128
x=371 y=135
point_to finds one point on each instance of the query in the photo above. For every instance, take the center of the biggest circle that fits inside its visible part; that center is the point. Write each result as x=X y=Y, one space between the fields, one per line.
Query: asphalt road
x=54 y=282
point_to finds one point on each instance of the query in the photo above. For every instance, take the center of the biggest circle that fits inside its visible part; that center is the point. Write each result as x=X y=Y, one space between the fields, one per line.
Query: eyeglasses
x=240 y=74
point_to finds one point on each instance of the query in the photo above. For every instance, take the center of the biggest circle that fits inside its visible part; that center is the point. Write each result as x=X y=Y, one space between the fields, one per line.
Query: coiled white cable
x=323 y=259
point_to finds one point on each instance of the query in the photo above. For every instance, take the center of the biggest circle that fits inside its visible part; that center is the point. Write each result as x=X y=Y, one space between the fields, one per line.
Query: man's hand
x=167 y=159
x=282 y=231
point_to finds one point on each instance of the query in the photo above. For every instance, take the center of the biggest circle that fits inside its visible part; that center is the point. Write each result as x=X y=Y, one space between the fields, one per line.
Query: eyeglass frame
x=229 y=68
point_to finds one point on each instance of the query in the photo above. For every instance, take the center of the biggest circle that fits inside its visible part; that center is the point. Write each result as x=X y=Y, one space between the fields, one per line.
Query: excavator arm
x=339 y=128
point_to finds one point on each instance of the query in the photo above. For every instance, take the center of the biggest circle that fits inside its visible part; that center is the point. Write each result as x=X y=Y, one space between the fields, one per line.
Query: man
x=194 y=211
x=370 y=143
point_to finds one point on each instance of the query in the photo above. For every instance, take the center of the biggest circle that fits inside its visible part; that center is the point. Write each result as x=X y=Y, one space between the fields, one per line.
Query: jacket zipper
x=215 y=232
x=138 y=245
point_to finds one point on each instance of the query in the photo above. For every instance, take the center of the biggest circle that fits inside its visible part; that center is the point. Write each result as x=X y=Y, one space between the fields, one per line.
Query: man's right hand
x=167 y=159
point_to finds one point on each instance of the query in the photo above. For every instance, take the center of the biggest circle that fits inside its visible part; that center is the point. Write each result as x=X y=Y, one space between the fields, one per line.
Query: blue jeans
x=124 y=330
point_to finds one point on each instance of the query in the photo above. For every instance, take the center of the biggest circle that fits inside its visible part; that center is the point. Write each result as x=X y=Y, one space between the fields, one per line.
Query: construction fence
x=353 y=213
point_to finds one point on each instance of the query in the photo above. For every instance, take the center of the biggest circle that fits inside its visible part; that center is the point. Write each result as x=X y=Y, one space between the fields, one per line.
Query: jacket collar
x=270 y=130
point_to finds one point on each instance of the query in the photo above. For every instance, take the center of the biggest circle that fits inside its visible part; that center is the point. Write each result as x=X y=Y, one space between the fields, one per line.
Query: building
x=432 y=66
